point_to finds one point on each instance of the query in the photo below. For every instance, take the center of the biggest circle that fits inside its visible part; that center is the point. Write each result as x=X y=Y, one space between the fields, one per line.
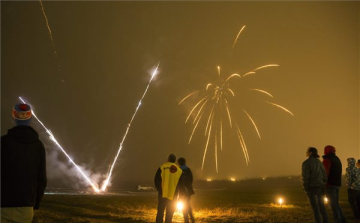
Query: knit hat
x=329 y=149
x=21 y=114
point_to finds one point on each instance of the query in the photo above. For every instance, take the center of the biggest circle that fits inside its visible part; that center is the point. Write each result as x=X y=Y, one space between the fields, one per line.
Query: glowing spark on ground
x=52 y=137
x=281 y=201
x=48 y=27
x=106 y=182
x=179 y=206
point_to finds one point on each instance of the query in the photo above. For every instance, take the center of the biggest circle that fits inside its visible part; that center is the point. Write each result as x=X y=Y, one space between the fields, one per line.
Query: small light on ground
x=179 y=206
x=281 y=201
x=326 y=200
x=208 y=179
x=232 y=179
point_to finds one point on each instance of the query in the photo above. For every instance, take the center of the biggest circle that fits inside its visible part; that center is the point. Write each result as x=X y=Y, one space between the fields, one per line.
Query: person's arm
x=157 y=180
x=327 y=165
x=323 y=174
x=305 y=175
x=348 y=177
x=191 y=177
x=42 y=179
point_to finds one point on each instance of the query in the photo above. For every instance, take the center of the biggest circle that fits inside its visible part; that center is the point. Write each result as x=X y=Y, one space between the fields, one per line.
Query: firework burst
x=214 y=111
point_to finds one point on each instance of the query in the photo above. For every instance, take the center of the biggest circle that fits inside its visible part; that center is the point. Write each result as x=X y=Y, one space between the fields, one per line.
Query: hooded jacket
x=166 y=180
x=352 y=175
x=23 y=168
x=186 y=182
x=332 y=166
x=313 y=173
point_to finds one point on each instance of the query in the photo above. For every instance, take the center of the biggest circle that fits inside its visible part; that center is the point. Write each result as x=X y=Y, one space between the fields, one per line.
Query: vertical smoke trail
x=52 y=137
x=106 y=182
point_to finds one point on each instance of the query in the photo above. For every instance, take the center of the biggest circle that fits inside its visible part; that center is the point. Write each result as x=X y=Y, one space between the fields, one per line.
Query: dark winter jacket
x=313 y=173
x=185 y=183
x=332 y=166
x=23 y=168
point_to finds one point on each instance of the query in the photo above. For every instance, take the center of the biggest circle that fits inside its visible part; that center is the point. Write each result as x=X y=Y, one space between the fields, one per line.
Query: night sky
x=106 y=52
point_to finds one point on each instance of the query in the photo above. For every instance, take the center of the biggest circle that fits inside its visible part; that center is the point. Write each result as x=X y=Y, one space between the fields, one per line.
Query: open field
x=217 y=202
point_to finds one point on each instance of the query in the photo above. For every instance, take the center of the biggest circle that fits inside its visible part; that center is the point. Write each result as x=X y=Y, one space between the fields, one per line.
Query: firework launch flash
x=107 y=181
x=214 y=104
x=52 y=137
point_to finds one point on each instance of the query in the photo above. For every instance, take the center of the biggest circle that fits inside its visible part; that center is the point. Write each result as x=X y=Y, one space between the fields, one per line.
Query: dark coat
x=333 y=169
x=185 y=183
x=23 y=168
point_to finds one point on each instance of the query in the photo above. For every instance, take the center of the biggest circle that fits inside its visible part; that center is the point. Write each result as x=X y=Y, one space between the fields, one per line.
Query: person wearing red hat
x=23 y=169
x=333 y=169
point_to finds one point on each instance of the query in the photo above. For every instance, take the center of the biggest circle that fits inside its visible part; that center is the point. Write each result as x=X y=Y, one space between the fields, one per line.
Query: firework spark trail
x=48 y=27
x=253 y=123
x=237 y=37
x=279 y=106
x=243 y=145
x=52 y=137
x=262 y=91
x=106 y=182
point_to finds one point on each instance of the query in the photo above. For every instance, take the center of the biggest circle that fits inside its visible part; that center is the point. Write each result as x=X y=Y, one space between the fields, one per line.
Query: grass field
x=217 y=202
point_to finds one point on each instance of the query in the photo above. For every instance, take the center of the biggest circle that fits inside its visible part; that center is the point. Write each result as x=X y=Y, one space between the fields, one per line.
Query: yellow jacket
x=170 y=175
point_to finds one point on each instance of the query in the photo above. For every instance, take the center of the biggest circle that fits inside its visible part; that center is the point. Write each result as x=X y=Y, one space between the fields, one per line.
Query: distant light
x=179 y=206
x=264 y=178
x=281 y=201
x=232 y=179
x=208 y=179
x=326 y=200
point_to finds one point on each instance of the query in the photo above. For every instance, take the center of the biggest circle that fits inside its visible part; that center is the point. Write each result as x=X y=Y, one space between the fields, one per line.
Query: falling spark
x=106 y=182
x=279 y=106
x=262 y=67
x=214 y=104
x=237 y=37
x=48 y=27
x=262 y=91
x=253 y=123
x=52 y=137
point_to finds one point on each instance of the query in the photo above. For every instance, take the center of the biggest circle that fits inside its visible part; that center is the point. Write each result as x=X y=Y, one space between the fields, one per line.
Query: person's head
x=329 y=149
x=172 y=158
x=21 y=114
x=358 y=164
x=351 y=162
x=312 y=151
x=181 y=161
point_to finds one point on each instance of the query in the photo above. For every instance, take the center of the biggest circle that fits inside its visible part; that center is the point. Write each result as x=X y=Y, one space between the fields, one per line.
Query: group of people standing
x=174 y=183
x=323 y=180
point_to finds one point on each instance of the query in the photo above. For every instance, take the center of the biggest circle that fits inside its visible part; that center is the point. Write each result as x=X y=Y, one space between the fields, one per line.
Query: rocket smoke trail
x=52 y=137
x=106 y=182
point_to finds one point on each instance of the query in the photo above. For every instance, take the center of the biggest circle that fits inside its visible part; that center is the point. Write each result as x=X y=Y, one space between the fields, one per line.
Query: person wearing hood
x=166 y=182
x=186 y=190
x=333 y=169
x=23 y=169
x=353 y=185
x=313 y=176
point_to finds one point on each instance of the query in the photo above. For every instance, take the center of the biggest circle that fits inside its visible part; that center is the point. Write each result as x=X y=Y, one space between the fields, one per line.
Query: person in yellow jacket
x=166 y=181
